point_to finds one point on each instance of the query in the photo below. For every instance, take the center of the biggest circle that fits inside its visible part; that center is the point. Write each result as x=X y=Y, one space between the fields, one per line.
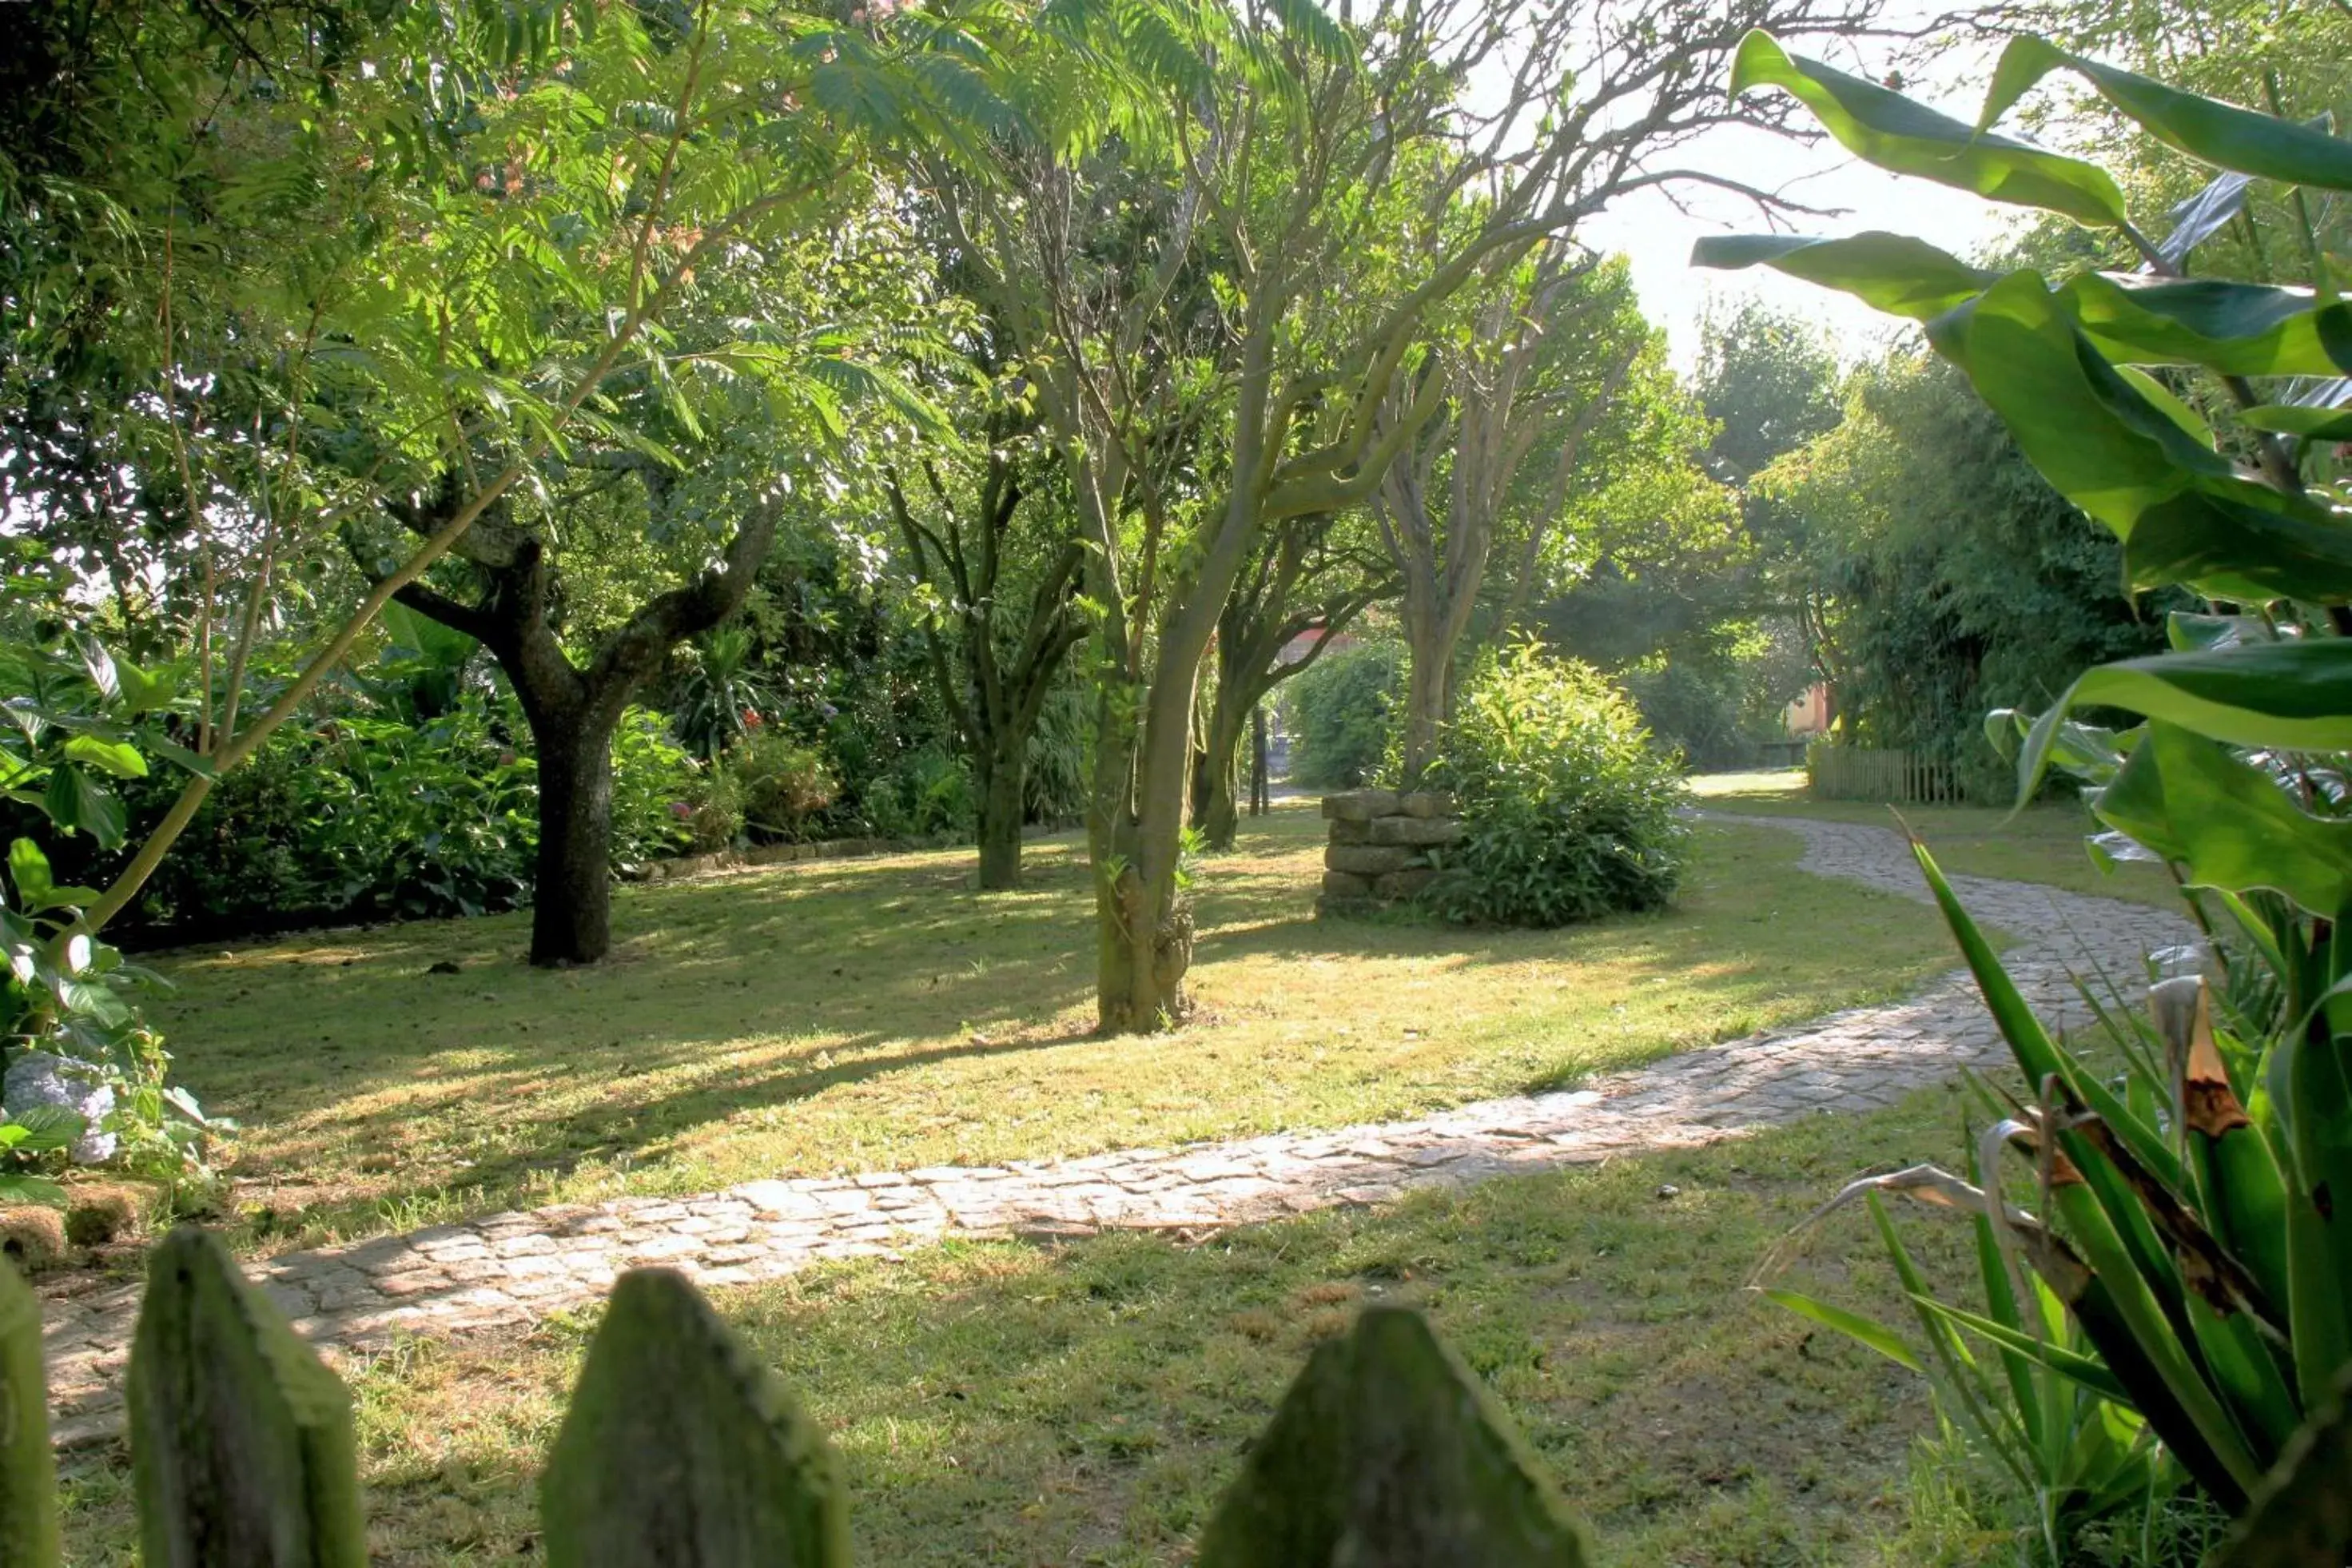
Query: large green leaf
x=2298 y=419
x=1890 y=272
x=2226 y=821
x=119 y=758
x=2294 y=695
x=41 y=1128
x=2218 y=133
x=2242 y=329
x=1894 y=133
x=36 y=888
x=1862 y=1330
x=75 y=800
x=2185 y=515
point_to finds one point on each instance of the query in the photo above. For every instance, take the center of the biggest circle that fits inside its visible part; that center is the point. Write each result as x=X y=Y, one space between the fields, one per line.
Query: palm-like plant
x=2190 y=1219
x=721 y=697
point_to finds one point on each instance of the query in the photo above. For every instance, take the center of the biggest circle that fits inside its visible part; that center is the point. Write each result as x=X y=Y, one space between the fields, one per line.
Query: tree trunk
x=1003 y=805
x=1143 y=922
x=1215 y=770
x=1261 y=792
x=1424 y=704
x=570 y=917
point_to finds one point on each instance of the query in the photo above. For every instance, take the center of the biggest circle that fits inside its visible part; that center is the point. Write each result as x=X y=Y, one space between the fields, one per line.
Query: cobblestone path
x=509 y=1269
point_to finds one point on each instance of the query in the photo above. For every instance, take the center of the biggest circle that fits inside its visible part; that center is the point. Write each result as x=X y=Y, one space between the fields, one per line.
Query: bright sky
x=1648 y=228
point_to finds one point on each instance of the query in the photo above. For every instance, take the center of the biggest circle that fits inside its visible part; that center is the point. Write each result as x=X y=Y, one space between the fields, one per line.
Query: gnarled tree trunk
x=572 y=897
x=573 y=712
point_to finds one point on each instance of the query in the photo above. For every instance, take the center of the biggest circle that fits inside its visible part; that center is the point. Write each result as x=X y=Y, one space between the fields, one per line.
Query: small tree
x=1248 y=284
x=1552 y=344
x=1310 y=580
x=998 y=560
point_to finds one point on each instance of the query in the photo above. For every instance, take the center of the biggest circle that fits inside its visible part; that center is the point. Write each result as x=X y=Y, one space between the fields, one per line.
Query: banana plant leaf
x=2213 y=132
x=1889 y=272
x=2294 y=696
x=2240 y=328
x=2226 y=822
x=2296 y=419
x=2183 y=512
x=1909 y=138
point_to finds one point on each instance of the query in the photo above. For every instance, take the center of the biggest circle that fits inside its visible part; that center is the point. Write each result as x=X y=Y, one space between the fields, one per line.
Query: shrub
x=926 y=793
x=784 y=781
x=1567 y=811
x=377 y=816
x=1341 y=712
x=652 y=776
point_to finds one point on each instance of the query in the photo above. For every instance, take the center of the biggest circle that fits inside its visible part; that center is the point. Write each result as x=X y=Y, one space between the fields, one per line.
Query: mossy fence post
x=682 y=1450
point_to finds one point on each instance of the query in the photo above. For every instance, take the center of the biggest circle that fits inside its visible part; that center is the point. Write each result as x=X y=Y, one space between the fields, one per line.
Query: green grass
x=860 y=1016
x=1014 y=1404
x=2042 y=844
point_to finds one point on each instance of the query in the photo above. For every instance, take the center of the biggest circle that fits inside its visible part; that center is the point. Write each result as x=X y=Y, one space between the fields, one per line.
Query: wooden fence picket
x=1897 y=777
x=1388 y=1453
x=29 y=1471
x=682 y=1450
x=241 y=1445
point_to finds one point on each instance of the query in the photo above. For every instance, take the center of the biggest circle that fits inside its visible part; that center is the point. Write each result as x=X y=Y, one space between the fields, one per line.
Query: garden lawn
x=1016 y=1403
x=2041 y=843
x=843 y=1016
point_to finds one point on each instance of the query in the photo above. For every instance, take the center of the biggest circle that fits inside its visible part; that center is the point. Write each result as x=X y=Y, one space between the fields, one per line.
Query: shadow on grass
x=843 y=1013
x=1009 y=1404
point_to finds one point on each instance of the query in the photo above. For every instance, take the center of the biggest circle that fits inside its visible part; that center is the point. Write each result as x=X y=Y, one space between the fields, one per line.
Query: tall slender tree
x=1309 y=582
x=1296 y=201
x=1553 y=344
x=1004 y=615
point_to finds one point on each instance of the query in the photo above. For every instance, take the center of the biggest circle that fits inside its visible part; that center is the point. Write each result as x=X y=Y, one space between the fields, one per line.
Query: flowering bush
x=784 y=783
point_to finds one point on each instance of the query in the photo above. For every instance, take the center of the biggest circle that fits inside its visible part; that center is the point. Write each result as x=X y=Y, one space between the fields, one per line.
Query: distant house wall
x=1809 y=715
x=1302 y=645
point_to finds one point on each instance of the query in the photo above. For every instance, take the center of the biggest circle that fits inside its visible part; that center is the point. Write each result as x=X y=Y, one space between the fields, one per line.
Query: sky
x=1649 y=229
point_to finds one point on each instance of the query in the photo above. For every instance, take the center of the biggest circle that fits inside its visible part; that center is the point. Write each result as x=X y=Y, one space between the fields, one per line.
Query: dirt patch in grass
x=841 y=1015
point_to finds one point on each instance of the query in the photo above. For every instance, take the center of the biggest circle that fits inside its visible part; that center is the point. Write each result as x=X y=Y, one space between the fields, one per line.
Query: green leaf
x=1890 y=272
x=2163 y=398
x=1909 y=138
x=2239 y=329
x=100 y=665
x=28 y=870
x=144 y=691
x=2183 y=512
x=2215 y=132
x=2298 y=419
x=2229 y=822
x=76 y=801
x=117 y=757
x=2295 y=695
x=2302 y=1518
x=17 y=1189
x=1862 y=1330
x=41 y=1128
x=2072 y=1364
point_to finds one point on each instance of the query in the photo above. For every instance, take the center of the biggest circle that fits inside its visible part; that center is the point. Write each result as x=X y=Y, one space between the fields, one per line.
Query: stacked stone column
x=1384 y=846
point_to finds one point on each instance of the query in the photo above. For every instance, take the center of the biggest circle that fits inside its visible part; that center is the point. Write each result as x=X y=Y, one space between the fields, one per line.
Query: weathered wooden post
x=241 y=1447
x=28 y=1474
x=682 y=1450
x=1387 y=1453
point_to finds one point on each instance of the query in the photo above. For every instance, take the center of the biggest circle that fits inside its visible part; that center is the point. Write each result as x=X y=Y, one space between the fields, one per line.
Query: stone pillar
x=1384 y=846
